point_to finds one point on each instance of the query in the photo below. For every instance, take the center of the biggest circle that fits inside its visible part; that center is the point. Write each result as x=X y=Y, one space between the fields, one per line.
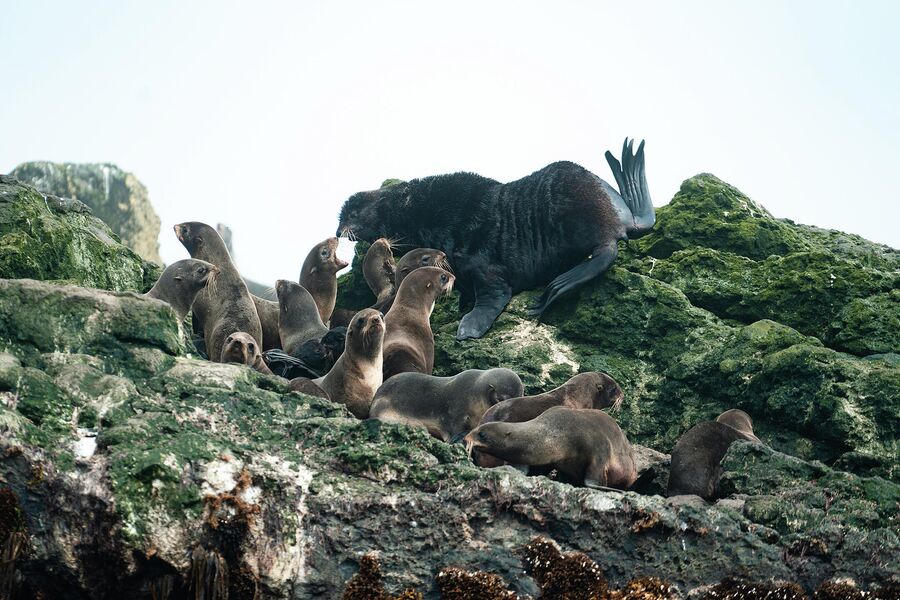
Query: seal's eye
x=443 y=279
x=324 y=253
x=251 y=348
x=426 y=259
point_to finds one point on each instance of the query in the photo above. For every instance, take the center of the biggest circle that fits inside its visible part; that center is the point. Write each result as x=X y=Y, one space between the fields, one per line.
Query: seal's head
x=196 y=237
x=379 y=267
x=601 y=388
x=359 y=217
x=423 y=286
x=365 y=334
x=738 y=419
x=495 y=439
x=192 y=274
x=418 y=258
x=240 y=348
x=323 y=259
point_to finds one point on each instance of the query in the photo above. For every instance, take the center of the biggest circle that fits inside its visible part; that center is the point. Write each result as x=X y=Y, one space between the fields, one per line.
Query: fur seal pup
x=319 y=275
x=446 y=406
x=585 y=390
x=409 y=341
x=227 y=307
x=243 y=349
x=695 y=467
x=298 y=317
x=409 y=262
x=585 y=445
x=378 y=269
x=267 y=311
x=506 y=238
x=356 y=375
x=180 y=283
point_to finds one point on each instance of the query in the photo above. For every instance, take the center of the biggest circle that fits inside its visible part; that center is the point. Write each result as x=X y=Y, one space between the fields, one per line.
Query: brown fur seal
x=412 y=260
x=298 y=319
x=447 y=406
x=319 y=275
x=227 y=307
x=308 y=387
x=242 y=348
x=378 y=270
x=695 y=467
x=268 y=320
x=586 y=390
x=356 y=375
x=409 y=341
x=180 y=283
x=585 y=445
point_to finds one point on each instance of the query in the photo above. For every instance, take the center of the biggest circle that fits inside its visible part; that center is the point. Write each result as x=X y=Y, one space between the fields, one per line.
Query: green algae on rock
x=49 y=238
x=113 y=195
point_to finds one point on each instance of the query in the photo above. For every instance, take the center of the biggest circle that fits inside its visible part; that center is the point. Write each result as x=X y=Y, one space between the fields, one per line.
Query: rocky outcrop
x=130 y=470
x=115 y=196
x=45 y=237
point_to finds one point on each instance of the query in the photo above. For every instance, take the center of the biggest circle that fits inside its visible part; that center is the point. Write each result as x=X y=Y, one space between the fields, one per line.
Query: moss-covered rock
x=44 y=237
x=113 y=195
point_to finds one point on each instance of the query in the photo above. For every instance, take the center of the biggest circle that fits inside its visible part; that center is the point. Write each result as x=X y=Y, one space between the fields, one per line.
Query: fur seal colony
x=502 y=238
x=506 y=238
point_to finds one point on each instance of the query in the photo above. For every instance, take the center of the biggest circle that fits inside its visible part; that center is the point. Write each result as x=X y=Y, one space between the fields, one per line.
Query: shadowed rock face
x=127 y=466
x=113 y=195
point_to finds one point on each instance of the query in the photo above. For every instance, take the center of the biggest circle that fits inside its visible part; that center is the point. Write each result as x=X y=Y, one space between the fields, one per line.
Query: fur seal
x=378 y=270
x=446 y=406
x=409 y=341
x=180 y=283
x=506 y=238
x=298 y=318
x=227 y=307
x=409 y=262
x=267 y=311
x=585 y=390
x=695 y=467
x=243 y=349
x=357 y=373
x=319 y=275
x=585 y=445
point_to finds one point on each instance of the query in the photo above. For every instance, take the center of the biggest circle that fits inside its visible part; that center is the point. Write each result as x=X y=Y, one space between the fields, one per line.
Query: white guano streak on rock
x=560 y=353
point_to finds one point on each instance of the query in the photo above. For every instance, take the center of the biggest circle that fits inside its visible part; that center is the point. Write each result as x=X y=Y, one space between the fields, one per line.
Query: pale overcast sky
x=267 y=116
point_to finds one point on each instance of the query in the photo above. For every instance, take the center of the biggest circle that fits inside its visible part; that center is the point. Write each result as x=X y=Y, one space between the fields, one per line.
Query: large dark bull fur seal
x=505 y=238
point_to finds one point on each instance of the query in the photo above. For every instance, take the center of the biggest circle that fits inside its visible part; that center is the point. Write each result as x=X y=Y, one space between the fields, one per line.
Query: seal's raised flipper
x=632 y=182
x=489 y=303
x=602 y=259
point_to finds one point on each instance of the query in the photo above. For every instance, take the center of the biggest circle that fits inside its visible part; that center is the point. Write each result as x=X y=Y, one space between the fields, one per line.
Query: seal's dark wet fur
x=505 y=238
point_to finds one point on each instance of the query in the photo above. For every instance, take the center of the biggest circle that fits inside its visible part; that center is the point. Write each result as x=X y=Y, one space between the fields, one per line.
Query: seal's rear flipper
x=632 y=182
x=602 y=259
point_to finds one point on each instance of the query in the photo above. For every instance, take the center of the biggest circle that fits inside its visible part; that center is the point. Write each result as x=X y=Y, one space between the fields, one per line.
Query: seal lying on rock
x=225 y=308
x=356 y=375
x=319 y=275
x=180 y=283
x=242 y=348
x=506 y=238
x=298 y=318
x=586 y=390
x=695 y=467
x=447 y=406
x=409 y=341
x=585 y=445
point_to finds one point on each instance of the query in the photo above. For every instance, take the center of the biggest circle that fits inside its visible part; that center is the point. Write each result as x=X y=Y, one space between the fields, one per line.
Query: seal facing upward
x=356 y=375
x=226 y=308
x=409 y=341
x=319 y=275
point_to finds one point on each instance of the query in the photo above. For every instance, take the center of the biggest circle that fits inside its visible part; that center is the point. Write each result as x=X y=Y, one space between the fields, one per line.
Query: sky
x=266 y=116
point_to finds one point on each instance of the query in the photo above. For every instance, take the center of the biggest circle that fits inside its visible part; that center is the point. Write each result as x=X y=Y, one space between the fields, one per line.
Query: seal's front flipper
x=603 y=258
x=489 y=303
